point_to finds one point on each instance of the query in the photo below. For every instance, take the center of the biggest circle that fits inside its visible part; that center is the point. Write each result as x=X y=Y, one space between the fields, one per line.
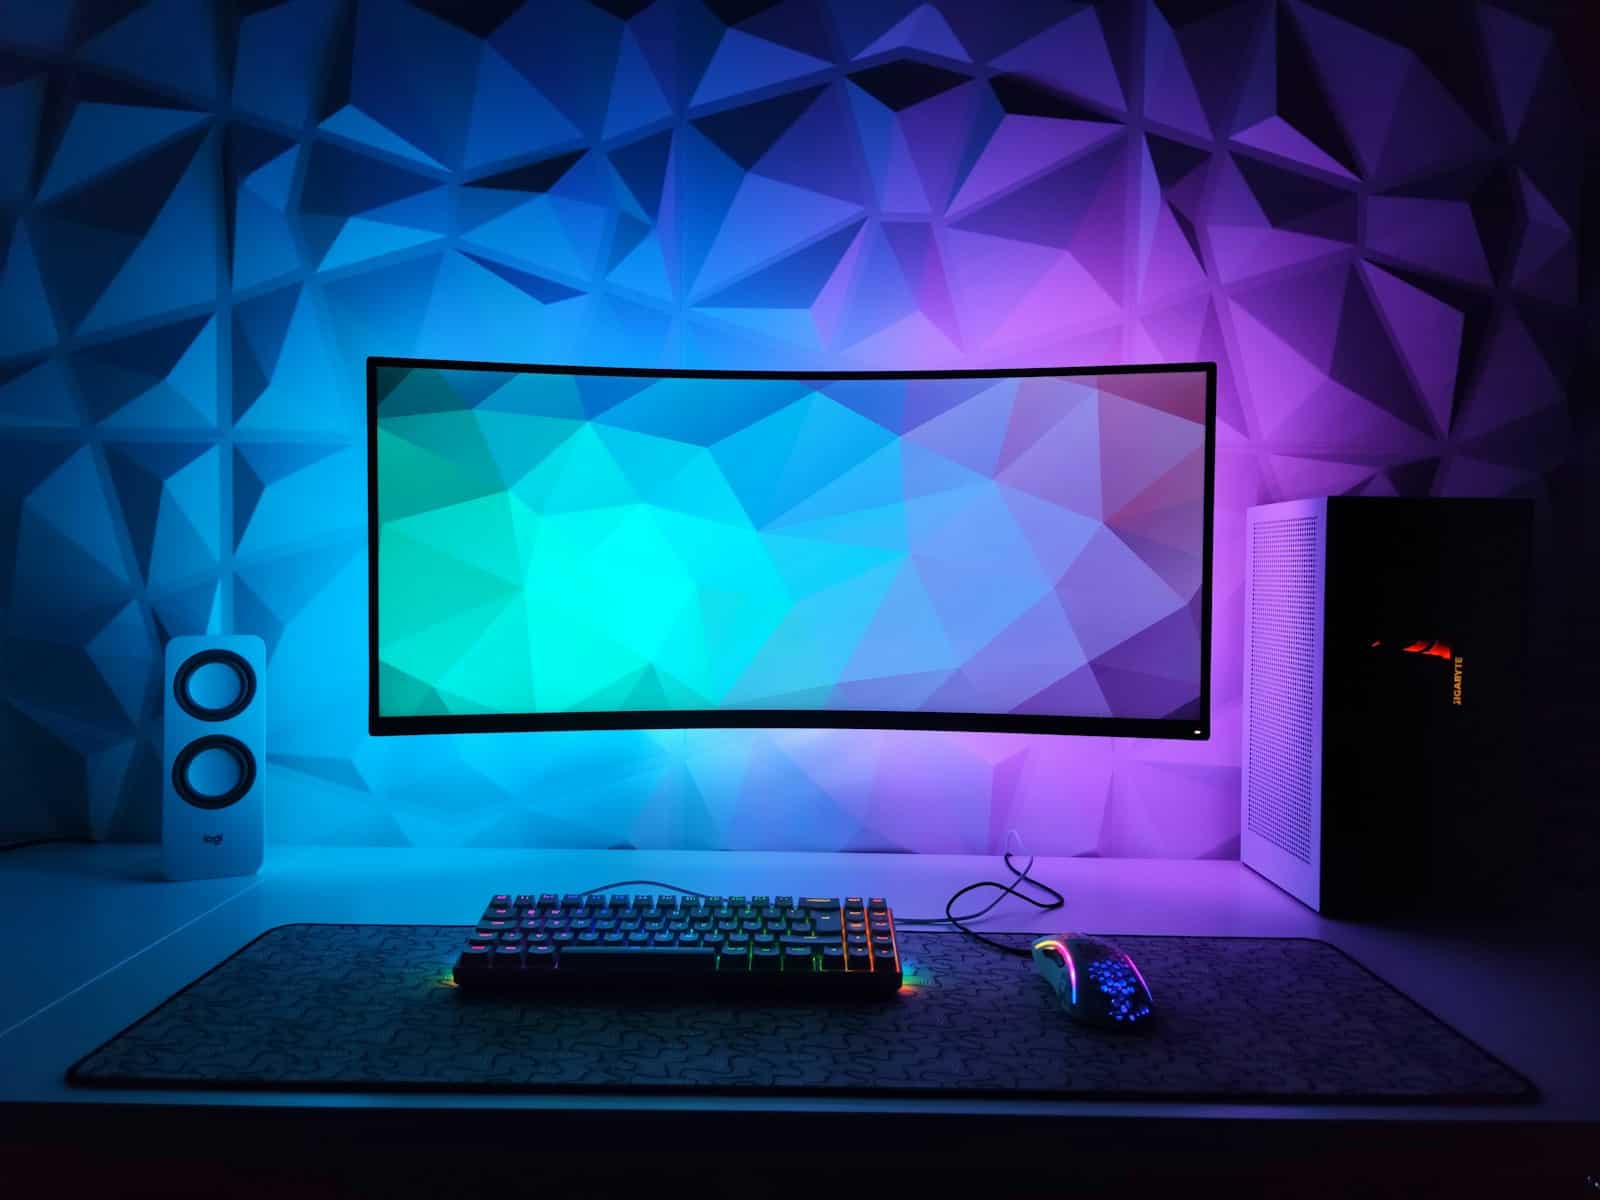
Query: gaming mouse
x=1095 y=980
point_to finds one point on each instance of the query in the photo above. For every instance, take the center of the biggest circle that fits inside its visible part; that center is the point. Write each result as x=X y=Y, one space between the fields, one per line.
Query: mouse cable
x=1057 y=900
x=1005 y=890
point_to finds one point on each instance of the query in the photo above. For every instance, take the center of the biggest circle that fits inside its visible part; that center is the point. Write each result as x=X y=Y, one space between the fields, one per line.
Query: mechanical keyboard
x=719 y=947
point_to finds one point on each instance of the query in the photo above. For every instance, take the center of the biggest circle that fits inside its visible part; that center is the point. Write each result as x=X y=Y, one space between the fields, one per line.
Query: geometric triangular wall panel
x=210 y=214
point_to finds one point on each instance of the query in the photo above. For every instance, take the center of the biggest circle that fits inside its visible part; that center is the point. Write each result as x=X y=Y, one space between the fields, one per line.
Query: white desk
x=93 y=940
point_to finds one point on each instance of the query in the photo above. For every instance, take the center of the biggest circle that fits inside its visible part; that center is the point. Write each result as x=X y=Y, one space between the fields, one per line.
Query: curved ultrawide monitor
x=559 y=547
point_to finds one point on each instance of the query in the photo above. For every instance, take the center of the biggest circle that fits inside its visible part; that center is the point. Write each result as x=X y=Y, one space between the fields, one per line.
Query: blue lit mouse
x=1095 y=980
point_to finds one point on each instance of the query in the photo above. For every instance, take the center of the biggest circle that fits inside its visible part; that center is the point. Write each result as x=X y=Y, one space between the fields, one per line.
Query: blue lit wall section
x=211 y=214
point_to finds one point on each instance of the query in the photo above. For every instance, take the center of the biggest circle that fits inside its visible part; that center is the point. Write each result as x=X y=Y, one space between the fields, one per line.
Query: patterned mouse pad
x=371 y=1007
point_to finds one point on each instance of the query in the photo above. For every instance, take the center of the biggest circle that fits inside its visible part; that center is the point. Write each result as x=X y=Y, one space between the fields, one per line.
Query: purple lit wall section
x=1365 y=213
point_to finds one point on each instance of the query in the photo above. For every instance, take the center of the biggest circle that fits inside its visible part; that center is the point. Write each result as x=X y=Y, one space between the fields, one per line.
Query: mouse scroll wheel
x=1054 y=954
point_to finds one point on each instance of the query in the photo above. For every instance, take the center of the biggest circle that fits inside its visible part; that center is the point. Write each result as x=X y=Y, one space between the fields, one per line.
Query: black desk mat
x=371 y=1008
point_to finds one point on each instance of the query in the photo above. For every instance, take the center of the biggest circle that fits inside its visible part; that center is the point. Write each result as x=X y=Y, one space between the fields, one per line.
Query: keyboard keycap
x=651 y=958
x=810 y=943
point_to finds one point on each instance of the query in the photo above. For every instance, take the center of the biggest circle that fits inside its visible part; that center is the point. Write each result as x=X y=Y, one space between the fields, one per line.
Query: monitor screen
x=575 y=547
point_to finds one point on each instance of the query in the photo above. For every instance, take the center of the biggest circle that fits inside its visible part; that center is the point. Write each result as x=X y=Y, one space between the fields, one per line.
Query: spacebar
x=675 y=960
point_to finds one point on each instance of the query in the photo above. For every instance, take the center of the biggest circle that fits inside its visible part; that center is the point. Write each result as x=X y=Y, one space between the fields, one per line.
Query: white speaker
x=215 y=737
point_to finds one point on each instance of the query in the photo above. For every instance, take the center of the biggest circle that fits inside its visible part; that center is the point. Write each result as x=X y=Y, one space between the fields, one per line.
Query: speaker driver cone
x=214 y=771
x=214 y=685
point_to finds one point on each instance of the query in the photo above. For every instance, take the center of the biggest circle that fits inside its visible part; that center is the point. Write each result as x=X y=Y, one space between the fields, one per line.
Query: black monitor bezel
x=1184 y=729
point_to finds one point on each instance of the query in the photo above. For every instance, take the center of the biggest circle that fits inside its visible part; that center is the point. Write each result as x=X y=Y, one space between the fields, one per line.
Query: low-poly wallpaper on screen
x=1365 y=212
x=554 y=543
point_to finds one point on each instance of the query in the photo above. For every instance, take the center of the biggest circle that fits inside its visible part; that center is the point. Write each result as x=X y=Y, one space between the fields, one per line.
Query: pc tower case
x=1384 y=650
